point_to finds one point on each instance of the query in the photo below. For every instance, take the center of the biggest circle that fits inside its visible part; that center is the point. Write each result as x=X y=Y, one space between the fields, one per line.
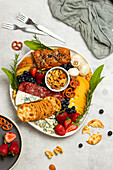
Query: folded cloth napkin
x=94 y=20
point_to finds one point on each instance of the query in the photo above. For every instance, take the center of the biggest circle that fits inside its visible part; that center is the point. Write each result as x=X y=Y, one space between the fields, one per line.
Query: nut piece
x=58 y=150
x=52 y=167
x=49 y=154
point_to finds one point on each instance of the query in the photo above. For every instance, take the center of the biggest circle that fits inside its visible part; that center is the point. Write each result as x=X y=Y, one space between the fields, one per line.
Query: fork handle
x=34 y=31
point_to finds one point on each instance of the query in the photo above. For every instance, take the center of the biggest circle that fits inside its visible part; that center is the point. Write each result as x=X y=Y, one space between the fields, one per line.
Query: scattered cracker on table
x=86 y=129
x=94 y=139
x=96 y=123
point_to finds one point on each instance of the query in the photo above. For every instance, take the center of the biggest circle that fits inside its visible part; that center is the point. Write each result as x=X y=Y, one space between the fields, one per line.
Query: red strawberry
x=62 y=117
x=60 y=130
x=73 y=116
x=9 y=137
x=13 y=148
x=71 y=127
x=67 y=123
x=4 y=149
x=33 y=71
x=39 y=76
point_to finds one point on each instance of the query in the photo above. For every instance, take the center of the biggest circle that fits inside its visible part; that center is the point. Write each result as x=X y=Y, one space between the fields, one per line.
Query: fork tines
x=7 y=25
x=22 y=17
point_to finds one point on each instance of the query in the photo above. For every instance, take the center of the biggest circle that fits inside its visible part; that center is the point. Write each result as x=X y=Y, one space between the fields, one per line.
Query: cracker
x=56 y=103
x=94 y=139
x=96 y=123
x=26 y=113
x=86 y=129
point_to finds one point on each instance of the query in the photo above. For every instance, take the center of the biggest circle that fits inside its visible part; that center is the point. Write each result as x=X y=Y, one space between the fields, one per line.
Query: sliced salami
x=37 y=90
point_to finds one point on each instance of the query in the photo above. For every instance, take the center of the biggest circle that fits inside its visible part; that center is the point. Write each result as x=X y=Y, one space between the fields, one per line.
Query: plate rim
x=36 y=126
x=20 y=138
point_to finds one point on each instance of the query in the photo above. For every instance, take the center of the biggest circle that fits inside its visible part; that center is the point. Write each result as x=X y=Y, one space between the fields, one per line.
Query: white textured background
x=98 y=157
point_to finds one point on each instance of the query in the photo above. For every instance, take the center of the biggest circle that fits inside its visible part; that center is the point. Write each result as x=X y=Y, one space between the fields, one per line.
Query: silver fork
x=27 y=20
x=16 y=27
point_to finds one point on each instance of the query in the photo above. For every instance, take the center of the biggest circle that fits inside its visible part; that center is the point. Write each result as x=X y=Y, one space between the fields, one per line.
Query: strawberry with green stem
x=4 y=149
x=33 y=71
x=39 y=76
x=13 y=148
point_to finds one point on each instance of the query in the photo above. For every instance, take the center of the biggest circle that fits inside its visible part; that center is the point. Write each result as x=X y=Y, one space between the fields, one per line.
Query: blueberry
x=33 y=81
x=101 y=111
x=32 y=78
x=64 y=105
x=27 y=78
x=25 y=72
x=73 y=108
x=21 y=75
x=67 y=106
x=69 y=64
x=19 y=80
x=65 y=66
x=62 y=108
x=67 y=103
x=80 y=145
x=69 y=109
x=110 y=133
x=62 y=102
x=62 y=65
x=74 y=111
x=18 y=77
x=23 y=79
x=67 y=99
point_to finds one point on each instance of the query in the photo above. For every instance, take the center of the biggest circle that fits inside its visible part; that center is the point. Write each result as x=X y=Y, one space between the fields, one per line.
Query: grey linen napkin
x=94 y=20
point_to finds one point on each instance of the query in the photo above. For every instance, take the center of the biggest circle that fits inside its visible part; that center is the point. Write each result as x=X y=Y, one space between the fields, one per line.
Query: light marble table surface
x=98 y=157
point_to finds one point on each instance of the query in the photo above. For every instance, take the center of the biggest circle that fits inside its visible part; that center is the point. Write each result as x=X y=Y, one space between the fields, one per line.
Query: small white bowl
x=62 y=88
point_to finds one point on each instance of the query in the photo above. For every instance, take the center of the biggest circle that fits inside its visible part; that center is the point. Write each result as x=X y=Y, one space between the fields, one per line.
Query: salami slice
x=37 y=90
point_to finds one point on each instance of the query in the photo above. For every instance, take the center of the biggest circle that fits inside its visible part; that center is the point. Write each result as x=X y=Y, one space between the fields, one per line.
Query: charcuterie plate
x=81 y=73
x=10 y=161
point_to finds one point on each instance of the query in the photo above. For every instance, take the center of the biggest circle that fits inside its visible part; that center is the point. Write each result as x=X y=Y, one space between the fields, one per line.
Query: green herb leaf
x=95 y=80
x=9 y=74
x=12 y=74
x=36 y=44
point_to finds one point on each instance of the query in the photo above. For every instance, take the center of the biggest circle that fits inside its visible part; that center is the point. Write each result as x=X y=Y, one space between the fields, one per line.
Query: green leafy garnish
x=36 y=44
x=95 y=80
x=12 y=74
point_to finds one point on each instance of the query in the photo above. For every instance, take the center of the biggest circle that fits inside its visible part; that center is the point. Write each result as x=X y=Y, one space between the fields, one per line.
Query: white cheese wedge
x=23 y=97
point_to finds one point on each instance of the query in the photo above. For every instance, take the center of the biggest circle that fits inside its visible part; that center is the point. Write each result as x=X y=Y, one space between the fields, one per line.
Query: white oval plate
x=33 y=123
